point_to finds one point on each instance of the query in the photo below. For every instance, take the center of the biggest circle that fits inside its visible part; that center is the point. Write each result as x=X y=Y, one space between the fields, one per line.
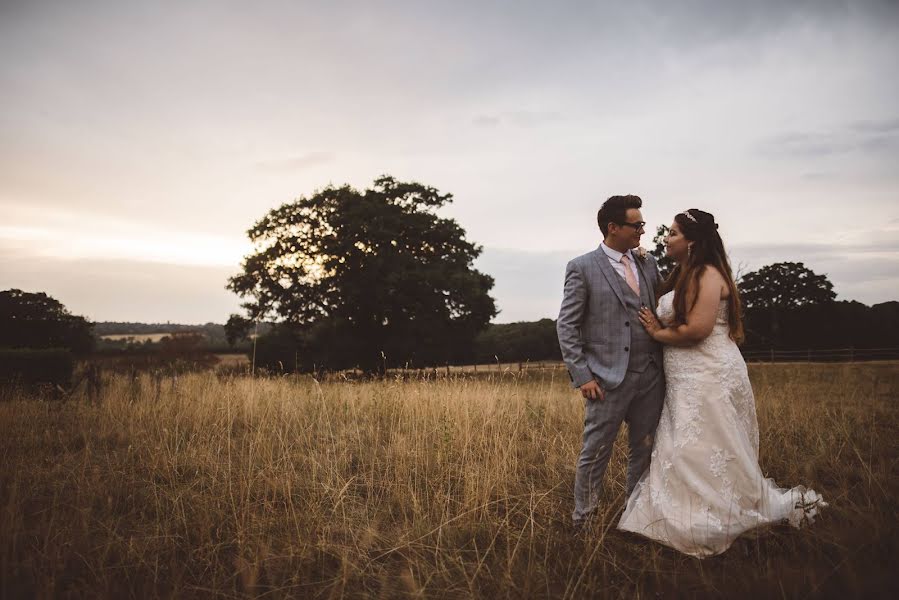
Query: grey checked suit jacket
x=594 y=326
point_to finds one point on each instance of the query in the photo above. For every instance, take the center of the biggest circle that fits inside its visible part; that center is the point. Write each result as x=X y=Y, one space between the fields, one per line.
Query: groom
x=611 y=359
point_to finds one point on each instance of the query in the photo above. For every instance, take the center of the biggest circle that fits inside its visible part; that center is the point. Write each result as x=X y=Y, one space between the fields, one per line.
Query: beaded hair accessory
x=687 y=214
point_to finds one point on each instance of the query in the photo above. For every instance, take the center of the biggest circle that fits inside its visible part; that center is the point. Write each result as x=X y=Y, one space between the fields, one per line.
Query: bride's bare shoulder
x=712 y=277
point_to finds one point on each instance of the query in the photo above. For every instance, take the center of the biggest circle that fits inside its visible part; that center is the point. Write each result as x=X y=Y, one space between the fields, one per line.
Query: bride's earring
x=689 y=250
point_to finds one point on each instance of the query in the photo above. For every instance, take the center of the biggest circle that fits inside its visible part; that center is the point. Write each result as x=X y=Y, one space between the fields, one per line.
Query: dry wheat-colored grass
x=207 y=486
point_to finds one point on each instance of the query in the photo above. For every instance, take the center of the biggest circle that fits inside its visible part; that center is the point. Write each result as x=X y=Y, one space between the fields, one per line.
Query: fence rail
x=755 y=355
x=829 y=355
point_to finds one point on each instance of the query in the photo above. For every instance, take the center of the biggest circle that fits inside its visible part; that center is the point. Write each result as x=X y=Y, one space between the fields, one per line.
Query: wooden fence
x=754 y=355
x=830 y=355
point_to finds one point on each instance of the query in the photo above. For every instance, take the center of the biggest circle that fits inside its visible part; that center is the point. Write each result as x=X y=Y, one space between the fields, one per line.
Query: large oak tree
x=777 y=290
x=367 y=278
x=783 y=286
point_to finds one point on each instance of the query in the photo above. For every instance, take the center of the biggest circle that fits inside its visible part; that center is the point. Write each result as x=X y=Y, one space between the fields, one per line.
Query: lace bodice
x=717 y=348
x=666 y=310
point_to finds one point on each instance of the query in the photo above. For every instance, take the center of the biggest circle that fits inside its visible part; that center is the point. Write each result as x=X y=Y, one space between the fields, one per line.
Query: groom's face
x=627 y=235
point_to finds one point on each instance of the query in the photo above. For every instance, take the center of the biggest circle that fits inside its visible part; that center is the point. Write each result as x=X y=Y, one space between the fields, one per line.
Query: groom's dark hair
x=613 y=210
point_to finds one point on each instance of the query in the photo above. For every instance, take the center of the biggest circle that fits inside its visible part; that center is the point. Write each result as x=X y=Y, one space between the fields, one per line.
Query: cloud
x=296 y=163
x=818 y=176
x=881 y=126
x=885 y=244
x=486 y=121
x=69 y=235
x=518 y=118
x=865 y=136
x=806 y=144
x=528 y=285
x=125 y=290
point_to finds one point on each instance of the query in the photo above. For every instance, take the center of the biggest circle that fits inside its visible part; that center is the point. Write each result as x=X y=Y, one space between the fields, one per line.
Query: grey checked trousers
x=638 y=402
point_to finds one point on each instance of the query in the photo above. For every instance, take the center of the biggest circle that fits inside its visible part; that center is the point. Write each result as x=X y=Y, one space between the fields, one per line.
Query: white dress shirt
x=615 y=259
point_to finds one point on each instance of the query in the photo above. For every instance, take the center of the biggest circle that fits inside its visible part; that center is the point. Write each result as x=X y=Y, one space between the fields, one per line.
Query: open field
x=235 y=487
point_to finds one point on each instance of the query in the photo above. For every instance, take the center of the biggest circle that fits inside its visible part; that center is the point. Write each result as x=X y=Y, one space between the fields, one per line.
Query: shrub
x=24 y=365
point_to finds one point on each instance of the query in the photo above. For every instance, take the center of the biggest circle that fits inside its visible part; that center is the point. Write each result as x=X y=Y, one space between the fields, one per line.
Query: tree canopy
x=658 y=251
x=774 y=296
x=784 y=285
x=36 y=320
x=236 y=329
x=367 y=277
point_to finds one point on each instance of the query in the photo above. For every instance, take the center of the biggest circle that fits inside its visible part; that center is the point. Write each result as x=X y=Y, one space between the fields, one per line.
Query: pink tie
x=629 y=274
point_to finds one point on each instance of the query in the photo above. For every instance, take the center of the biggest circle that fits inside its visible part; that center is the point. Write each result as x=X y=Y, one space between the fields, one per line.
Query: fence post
x=94 y=383
x=772 y=354
x=851 y=354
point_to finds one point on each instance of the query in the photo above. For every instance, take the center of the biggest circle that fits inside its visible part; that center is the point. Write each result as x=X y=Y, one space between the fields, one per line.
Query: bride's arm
x=700 y=317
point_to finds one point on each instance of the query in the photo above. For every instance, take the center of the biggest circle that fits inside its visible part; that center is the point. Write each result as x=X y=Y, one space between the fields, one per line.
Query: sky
x=140 y=140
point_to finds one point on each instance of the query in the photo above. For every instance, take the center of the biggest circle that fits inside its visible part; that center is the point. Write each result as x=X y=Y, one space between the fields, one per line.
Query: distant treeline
x=838 y=324
x=843 y=324
x=213 y=333
x=34 y=321
x=817 y=327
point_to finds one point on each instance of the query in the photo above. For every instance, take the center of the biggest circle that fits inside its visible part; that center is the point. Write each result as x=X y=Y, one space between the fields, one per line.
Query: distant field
x=136 y=337
x=232 y=360
x=207 y=486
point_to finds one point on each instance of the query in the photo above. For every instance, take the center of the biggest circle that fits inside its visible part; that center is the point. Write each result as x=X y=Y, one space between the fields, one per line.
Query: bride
x=704 y=486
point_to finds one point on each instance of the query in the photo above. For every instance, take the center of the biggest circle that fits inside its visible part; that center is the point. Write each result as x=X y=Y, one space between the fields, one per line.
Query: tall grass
x=448 y=488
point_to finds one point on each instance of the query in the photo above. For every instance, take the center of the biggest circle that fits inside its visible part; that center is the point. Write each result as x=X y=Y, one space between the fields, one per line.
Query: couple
x=674 y=373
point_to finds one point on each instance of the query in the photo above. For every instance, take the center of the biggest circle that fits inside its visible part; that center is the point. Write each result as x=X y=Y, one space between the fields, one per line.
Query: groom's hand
x=592 y=391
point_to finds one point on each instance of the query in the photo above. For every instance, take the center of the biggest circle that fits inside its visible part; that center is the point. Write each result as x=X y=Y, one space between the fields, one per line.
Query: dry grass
x=236 y=487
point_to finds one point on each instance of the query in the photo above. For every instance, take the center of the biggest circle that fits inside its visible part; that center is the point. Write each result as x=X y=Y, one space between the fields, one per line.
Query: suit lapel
x=611 y=276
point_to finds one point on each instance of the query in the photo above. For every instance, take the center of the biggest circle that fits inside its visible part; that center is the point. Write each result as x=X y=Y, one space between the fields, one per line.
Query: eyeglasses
x=637 y=225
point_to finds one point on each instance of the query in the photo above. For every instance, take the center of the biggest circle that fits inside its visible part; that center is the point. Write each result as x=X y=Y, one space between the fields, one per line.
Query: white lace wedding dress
x=704 y=486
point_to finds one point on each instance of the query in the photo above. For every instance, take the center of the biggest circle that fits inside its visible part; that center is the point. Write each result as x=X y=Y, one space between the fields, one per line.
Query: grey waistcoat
x=642 y=347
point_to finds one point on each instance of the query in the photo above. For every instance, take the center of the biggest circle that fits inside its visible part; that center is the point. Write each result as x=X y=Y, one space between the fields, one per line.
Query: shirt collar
x=615 y=254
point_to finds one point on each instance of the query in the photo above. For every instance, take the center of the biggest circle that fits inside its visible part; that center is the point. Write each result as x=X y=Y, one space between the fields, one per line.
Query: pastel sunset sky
x=140 y=140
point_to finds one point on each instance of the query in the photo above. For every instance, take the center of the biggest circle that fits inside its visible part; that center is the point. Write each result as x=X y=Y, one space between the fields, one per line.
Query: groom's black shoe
x=584 y=528
x=579 y=528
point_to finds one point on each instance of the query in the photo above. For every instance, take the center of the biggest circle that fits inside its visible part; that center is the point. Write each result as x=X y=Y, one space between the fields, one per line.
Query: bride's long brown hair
x=707 y=250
